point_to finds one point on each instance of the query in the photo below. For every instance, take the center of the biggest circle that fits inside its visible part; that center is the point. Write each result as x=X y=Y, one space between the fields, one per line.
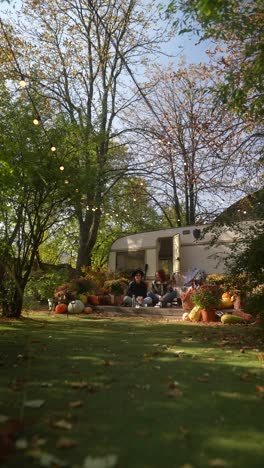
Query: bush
x=41 y=285
x=255 y=302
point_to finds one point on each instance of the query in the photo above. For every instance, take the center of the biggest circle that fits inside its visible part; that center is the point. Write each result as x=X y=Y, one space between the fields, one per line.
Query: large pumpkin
x=75 y=307
x=61 y=309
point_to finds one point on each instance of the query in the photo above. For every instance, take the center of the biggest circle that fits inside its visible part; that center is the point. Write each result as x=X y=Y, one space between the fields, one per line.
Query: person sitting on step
x=162 y=292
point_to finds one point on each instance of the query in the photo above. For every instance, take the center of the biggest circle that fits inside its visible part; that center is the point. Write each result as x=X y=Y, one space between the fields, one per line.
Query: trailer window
x=130 y=261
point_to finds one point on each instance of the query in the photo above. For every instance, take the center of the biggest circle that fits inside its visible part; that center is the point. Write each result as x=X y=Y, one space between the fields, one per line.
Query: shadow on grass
x=156 y=394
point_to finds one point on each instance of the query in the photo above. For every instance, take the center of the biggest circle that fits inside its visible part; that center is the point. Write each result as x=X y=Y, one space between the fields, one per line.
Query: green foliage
x=239 y=25
x=116 y=286
x=41 y=285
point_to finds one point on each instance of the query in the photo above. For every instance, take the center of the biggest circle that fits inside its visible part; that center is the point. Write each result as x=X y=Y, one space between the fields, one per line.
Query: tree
x=81 y=53
x=238 y=25
x=32 y=198
x=199 y=156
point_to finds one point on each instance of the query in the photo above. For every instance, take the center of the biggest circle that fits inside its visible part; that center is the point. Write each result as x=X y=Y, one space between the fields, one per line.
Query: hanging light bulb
x=61 y=168
x=36 y=122
x=66 y=181
x=53 y=148
x=23 y=83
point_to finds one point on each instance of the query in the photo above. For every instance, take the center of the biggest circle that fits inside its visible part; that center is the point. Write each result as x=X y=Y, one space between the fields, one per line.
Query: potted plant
x=116 y=288
x=208 y=299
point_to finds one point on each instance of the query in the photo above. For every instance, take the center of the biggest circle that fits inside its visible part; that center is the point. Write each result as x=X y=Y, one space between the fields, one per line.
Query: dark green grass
x=157 y=394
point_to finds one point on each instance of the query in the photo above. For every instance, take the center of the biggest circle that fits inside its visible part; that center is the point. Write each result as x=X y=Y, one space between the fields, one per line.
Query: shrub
x=255 y=302
x=116 y=286
x=41 y=285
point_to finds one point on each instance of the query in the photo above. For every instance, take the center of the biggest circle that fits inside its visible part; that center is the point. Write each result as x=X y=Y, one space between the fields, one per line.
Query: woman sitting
x=162 y=292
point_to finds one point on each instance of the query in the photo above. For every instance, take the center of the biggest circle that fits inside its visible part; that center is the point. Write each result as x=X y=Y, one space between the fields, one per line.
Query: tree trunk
x=12 y=304
x=88 y=229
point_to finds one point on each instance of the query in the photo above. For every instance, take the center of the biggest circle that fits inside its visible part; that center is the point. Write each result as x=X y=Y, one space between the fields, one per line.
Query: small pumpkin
x=61 y=309
x=226 y=301
x=87 y=310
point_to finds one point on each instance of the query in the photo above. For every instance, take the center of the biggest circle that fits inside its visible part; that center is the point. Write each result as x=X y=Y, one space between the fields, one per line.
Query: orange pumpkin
x=61 y=309
x=226 y=302
x=94 y=300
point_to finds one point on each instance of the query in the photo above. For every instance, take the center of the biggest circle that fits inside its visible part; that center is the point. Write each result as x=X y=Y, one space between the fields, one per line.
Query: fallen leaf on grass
x=34 y=403
x=62 y=424
x=3 y=418
x=21 y=444
x=64 y=442
x=47 y=459
x=217 y=462
x=81 y=384
x=211 y=359
x=175 y=393
x=107 y=362
x=108 y=461
x=76 y=404
x=260 y=388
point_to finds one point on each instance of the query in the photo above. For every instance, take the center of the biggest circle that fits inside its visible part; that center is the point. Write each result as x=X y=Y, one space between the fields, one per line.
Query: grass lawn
x=95 y=392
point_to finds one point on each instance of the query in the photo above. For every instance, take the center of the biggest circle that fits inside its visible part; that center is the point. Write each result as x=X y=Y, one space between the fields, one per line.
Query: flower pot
x=208 y=315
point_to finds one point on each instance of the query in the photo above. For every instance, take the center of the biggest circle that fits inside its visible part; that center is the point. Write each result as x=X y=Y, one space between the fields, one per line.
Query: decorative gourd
x=230 y=318
x=88 y=310
x=195 y=314
x=75 y=307
x=226 y=301
x=185 y=316
x=61 y=309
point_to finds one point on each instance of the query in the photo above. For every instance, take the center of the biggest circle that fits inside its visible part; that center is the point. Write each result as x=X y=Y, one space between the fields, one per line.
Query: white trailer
x=175 y=250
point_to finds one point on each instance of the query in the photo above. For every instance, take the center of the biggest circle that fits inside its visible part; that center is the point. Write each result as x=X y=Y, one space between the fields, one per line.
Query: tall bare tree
x=200 y=156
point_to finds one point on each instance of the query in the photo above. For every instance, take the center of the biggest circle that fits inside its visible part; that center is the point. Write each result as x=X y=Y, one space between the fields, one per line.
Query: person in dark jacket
x=162 y=292
x=137 y=288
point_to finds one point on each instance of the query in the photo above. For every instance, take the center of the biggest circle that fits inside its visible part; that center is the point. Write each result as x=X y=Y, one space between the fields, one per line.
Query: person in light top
x=162 y=292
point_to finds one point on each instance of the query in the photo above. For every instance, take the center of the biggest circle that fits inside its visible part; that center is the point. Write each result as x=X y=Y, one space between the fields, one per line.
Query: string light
x=61 y=168
x=66 y=181
x=23 y=83
x=36 y=122
x=53 y=148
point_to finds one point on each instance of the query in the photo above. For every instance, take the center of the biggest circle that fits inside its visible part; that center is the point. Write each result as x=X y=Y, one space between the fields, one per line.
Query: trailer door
x=176 y=253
